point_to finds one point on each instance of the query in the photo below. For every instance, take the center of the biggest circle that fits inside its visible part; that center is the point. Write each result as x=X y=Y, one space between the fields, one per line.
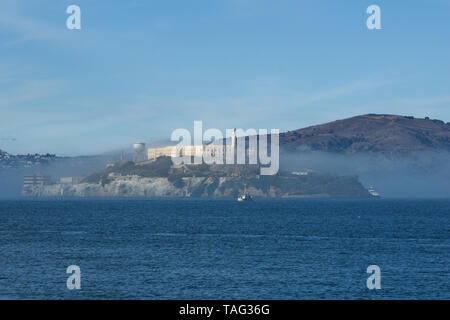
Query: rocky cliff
x=135 y=186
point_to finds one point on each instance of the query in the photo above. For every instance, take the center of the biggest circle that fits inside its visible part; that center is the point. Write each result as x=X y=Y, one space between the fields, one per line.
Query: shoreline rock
x=202 y=187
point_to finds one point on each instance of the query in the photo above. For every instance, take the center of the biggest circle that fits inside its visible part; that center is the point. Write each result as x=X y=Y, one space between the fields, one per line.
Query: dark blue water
x=222 y=249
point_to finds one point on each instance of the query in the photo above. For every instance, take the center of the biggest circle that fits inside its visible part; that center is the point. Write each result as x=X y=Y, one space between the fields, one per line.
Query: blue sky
x=139 y=69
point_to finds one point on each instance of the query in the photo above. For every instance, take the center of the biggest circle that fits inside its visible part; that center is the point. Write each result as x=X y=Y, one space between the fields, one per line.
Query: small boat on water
x=373 y=193
x=245 y=196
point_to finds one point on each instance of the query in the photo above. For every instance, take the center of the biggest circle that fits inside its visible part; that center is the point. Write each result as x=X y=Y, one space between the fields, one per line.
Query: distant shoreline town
x=9 y=161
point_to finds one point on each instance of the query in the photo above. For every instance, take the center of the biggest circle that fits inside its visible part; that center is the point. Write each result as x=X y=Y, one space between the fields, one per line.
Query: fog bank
x=420 y=175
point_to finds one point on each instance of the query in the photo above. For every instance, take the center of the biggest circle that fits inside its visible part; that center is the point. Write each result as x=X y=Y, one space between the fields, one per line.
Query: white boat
x=245 y=196
x=373 y=193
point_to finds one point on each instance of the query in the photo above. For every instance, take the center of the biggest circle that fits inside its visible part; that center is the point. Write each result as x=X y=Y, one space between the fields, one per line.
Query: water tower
x=139 y=149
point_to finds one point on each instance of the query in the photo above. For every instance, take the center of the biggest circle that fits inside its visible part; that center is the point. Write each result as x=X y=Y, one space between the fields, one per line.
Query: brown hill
x=371 y=133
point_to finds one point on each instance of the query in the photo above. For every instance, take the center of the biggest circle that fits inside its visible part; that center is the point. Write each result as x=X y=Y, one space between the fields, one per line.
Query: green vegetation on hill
x=283 y=184
x=160 y=168
x=163 y=167
x=300 y=186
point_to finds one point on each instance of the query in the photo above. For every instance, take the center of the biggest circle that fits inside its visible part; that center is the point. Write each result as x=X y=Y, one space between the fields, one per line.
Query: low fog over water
x=420 y=175
x=11 y=179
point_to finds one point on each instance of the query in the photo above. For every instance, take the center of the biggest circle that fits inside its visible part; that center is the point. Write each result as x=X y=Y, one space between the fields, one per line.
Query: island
x=161 y=178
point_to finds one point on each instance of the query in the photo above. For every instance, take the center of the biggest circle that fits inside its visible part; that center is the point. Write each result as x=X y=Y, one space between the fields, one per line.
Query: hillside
x=310 y=186
x=371 y=133
x=162 y=179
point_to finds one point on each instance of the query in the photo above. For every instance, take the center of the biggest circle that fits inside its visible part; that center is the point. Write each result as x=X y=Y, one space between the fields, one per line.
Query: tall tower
x=139 y=148
x=233 y=139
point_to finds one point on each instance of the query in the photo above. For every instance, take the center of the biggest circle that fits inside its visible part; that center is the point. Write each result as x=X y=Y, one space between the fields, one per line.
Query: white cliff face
x=134 y=186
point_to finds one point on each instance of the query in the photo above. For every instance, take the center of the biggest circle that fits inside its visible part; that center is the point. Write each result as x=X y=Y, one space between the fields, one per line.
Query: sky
x=139 y=69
